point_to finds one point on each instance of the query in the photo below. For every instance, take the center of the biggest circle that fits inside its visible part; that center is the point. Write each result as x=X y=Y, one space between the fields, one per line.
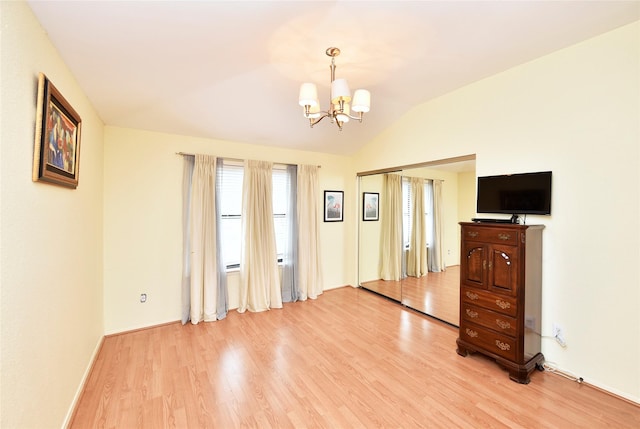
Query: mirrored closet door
x=409 y=235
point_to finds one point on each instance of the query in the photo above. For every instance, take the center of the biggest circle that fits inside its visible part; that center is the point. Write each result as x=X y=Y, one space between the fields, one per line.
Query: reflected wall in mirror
x=445 y=192
x=370 y=236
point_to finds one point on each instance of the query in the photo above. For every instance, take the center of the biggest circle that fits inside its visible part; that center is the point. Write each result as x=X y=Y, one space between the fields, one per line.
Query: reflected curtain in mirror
x=391 y=224
x=436 y=262
x=417 y=251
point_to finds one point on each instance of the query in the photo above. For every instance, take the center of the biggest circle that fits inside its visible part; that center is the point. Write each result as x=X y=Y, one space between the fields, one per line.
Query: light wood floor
x=348 y=359
x=436 y=294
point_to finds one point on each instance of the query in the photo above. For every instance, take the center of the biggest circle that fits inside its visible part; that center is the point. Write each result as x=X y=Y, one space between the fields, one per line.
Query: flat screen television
x=515 y=194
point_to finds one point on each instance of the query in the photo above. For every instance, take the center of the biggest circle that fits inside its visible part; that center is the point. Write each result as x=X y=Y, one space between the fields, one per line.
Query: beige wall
x=575 y=112
x=143 y=224
x=466 y=196
x=466 y=200
x=50 y=239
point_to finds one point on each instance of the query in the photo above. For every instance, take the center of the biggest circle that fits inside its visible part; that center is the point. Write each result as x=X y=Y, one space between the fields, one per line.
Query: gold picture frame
x=56 y=154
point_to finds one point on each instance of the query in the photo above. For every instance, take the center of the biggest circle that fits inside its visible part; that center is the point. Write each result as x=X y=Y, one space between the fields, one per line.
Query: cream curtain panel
x=207 y=278
x=391 y=228
x=309 y=263
x=259 y=275
x=436 y=261
x=417 y=255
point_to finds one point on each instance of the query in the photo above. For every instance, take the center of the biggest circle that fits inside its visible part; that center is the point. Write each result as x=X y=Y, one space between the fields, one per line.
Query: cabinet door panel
x=474 y=262
x=503 y=274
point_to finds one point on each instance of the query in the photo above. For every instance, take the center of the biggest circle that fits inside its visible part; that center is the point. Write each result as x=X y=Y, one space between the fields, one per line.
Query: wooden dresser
x=500 y=295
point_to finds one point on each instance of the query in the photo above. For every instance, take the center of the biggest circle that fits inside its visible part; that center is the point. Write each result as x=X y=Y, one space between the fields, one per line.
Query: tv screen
x=526 y=193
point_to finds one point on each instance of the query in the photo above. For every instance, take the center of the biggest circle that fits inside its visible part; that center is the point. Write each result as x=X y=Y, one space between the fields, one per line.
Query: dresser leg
x=461 y=350
x=519 y=375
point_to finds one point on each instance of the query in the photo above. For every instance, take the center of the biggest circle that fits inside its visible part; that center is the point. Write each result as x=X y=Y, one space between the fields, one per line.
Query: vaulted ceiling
x=231 y=70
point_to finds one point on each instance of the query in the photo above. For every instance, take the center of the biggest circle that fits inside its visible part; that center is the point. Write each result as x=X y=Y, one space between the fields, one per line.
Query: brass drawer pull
x=472 y=296
x=503 y=304
x=503 y=324
x=503 y=236
x=471 y=333
x=472 y=234
x=502 y=346
x=472 y=314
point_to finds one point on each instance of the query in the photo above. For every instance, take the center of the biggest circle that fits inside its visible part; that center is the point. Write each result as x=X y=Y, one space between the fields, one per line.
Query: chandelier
x=339 y=110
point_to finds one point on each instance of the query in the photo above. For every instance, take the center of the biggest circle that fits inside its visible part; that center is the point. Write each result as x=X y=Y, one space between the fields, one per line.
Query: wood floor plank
x=348 y=359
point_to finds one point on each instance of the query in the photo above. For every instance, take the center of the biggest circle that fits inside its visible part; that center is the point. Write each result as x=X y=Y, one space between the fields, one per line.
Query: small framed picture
x=333 y=206
x=370 y=206
x=56 y=154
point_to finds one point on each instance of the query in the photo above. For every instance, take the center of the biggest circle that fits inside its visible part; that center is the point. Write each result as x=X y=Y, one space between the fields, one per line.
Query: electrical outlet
x=558 y=334
x=143 y=297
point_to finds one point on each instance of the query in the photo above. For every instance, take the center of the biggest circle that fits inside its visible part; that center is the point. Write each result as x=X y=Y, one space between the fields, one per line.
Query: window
x=230 y=187
x=406 y=212
x=230 y=179
x=280 y=208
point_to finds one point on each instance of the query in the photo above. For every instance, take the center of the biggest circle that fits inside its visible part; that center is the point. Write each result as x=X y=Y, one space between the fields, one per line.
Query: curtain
x=417 y=255
x=436 y=262
x=187 y=173
x=391 y=228
x=259 y=276
x=308 y=209
x=208 y=283
x=290 y=290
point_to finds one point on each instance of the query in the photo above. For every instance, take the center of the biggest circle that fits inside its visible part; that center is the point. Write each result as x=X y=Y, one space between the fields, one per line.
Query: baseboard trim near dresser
x=615 y=394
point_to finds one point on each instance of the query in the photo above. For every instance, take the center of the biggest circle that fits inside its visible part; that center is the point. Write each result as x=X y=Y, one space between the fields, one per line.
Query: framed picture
x=333 y=206
x=370 y=206
x=56 y=154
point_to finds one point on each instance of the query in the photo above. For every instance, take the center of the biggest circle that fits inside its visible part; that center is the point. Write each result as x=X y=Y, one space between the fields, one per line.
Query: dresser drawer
x=489 y=319
x=490 y=341
x=491 y=301
x=490 y=235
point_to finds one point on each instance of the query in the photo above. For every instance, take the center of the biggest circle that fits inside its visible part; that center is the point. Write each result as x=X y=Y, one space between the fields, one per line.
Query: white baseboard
x=85 y=377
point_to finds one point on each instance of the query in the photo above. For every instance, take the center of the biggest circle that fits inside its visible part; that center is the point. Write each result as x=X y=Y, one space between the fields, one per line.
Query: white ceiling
x=231 y=70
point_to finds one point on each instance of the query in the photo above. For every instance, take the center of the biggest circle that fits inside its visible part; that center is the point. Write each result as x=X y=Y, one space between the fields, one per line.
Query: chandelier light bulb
x=340 y=91
x=361 y=101
x=308 y=95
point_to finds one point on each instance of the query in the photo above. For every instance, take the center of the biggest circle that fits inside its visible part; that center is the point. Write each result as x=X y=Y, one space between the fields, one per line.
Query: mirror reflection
x=410 y=251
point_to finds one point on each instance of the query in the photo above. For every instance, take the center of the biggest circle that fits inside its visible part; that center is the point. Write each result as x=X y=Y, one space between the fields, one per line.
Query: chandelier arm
x=358 y=118
x=312 y=122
